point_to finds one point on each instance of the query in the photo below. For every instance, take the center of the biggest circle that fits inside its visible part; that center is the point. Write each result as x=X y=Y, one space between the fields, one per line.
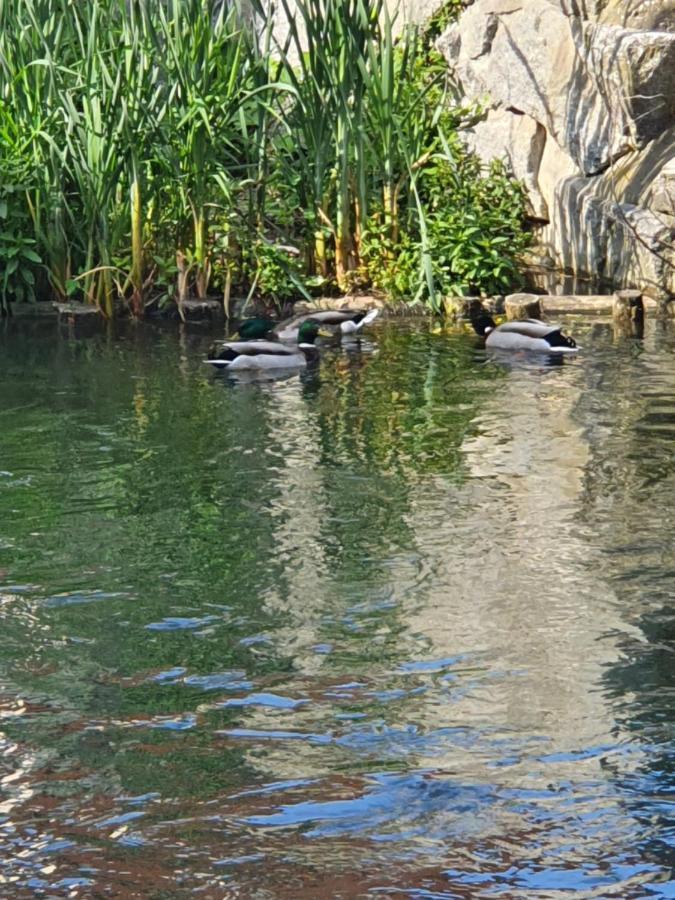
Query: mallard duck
x=346 y=321
x=528 y=334
x=260 y=354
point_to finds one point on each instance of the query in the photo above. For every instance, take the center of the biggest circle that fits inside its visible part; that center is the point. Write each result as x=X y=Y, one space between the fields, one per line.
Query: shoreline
x=210 y=311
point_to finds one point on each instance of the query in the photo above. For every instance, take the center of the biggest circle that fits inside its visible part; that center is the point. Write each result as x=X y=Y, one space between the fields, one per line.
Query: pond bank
x=211 y=310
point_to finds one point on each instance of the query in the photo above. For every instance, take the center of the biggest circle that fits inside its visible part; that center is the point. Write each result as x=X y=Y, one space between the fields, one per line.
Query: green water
x=401 y=625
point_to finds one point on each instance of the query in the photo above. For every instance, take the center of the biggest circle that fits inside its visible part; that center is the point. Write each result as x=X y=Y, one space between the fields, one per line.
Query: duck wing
x=288 y=329
x=230 y=350
x=323 y=317
x=533 y=328
x=258 y=348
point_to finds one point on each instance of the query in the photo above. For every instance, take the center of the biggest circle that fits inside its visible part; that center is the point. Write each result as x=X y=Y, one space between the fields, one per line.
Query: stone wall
x=580 y=98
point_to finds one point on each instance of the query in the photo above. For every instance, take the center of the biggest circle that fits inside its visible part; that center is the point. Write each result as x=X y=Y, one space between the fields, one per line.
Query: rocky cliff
x=581 y=101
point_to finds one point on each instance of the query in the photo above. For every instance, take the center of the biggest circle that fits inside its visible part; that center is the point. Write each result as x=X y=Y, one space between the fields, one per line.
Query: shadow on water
x=399 y=624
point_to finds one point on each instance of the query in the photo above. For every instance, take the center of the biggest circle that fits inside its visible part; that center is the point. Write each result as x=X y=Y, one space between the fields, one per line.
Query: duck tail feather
x=558 y=339
x=369 y=317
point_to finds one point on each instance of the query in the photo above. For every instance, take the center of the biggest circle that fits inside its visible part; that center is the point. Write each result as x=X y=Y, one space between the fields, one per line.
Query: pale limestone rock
x=632 y=177
x=519 y=141
x=529 y=64
x=517 y=63
x=415 y=12
x=617 y=242
x=656 y=15
x=555 y=167
x=652 y=260
x=635 y=71
x=609 y=224
x=404 y=12
x=663 y=190
x=598 y=76
x=597 y=89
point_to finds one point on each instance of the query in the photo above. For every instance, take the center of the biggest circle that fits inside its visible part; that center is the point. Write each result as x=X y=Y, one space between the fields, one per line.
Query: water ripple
x=402 y=625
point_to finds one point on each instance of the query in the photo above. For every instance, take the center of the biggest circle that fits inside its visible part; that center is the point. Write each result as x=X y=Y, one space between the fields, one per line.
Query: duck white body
x=347 y=321
x=528 y=334
x=259 y=355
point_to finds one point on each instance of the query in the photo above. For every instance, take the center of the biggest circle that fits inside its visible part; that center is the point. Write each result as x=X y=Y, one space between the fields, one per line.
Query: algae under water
x=400 y=626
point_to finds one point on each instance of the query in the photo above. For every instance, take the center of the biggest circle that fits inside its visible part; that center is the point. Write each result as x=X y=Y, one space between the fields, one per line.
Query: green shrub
x=276 y=272
x=19 y=259
x=475 y=232
x=476 y=225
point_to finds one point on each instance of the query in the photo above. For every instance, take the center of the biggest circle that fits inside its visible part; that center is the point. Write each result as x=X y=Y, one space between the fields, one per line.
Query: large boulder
x=581 y=103
x=520 y=140
x=599 y=90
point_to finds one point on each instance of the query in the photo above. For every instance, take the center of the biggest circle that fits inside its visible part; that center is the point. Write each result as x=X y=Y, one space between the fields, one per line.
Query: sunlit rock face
x=404 y=12
x=644 y=14
x=582 y=97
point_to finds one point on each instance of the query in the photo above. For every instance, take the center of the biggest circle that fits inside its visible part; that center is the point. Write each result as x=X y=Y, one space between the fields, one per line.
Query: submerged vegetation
x=153 y=151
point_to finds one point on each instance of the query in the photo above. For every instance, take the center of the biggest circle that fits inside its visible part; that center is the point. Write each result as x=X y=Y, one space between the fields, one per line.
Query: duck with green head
x=338 y=321
x=263 y=354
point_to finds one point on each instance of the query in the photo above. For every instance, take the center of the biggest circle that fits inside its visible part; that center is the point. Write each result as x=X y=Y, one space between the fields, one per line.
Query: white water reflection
x=525 y=594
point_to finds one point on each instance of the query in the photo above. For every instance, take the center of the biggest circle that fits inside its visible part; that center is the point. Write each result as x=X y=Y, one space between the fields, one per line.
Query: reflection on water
x=401 y=625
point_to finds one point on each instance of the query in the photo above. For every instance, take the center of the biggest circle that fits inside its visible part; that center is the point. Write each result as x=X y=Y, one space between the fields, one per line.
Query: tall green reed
x=183 y=144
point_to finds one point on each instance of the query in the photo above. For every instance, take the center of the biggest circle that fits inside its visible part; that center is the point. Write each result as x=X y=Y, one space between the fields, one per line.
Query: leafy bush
x=276 y=271
x=18 y=257
x=18 y=261
x=472 y=249
x=476 y=225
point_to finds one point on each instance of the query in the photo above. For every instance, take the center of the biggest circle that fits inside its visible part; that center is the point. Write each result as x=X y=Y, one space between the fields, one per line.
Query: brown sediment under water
x=400 y=625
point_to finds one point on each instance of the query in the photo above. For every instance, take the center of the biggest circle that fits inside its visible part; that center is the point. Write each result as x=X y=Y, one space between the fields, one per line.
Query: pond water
x=401 y=626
